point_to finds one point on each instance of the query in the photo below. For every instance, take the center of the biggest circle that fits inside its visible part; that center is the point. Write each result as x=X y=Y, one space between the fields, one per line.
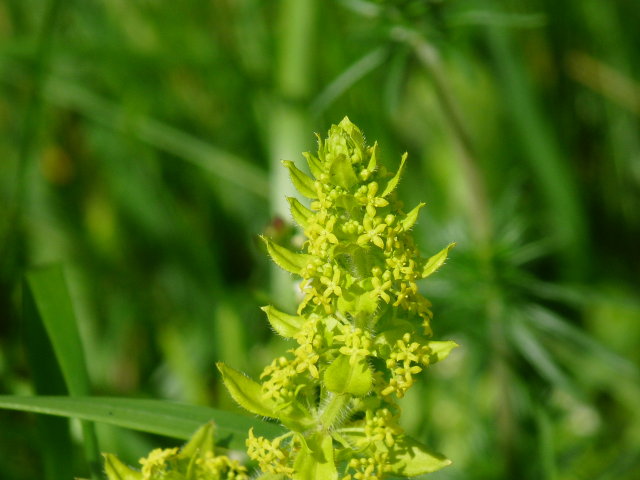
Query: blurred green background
x=141 y=143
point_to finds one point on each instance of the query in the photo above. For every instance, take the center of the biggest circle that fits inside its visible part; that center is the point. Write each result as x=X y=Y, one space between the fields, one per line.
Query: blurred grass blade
x=543 y=153
x=53 y=302
x=546 y=320
x=497 y=19
x=346 y=79
x=524 y=339
x=161 y=417
x=225 y=165
x=604 y=79
x=52 y=433
x=362 y=7
x=53 y=307
x=546 y=444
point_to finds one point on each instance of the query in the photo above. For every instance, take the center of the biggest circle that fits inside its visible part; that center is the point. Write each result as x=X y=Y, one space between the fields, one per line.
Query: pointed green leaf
x=343 y=377
x=440 y=350
x=435 y=262
x=393 y=183
x=314 y=164
x=201 y=442
x=409 y=458
x=302 y=182
x=283 y=323
x=353 y=131
x=315 y=459
x=373 y=160
x=341 y=172
x=410 y=220
x=161 y=417
x=286 y=259
x=247 y=392
x=299 y=212
x=116 y=470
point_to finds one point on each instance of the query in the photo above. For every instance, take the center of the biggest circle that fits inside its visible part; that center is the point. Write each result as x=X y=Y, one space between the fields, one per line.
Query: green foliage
x=361 y=326
x=141 y=147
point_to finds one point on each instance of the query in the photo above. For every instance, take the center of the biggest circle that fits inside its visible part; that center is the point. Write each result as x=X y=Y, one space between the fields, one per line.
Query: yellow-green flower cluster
x=270 y=456
x=197 y=460
x=362 y=326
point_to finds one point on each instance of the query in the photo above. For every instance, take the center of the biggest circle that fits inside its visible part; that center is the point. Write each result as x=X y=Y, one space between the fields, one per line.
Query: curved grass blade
x=525 y=340
x=359 y=69
x=176 y=420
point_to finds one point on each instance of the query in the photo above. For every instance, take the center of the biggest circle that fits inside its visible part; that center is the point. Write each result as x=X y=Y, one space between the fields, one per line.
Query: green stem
x=335 y=404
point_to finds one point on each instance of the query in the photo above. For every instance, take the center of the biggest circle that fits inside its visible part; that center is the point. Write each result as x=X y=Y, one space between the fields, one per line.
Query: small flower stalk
x=361 y=332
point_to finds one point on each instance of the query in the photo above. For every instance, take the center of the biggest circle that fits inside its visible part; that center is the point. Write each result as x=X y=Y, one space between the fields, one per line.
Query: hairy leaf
x=441 y=349
x=358 y=302
x=393 y=183
x=302 y=182
x=286 y=259
x=314 y=164
x=341 y=172
x=315 y=459
x=299 y=212
x=283 y=323
x=247 y=392
x=373 y=160
x=409 y=458
x=435 y=262
x=344 y=377
x=409 y=221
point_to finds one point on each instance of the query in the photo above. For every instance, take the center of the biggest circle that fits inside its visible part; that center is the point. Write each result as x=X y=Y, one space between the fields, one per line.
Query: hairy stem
x=334 y=406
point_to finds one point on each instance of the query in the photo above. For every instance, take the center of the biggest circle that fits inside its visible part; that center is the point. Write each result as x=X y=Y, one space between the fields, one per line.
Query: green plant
x=361 y=327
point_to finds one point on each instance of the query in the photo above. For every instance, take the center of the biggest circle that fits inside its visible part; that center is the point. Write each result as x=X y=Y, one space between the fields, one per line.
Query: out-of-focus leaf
x=218 y=162
x=176 y=420
x=441 y=349
x=545 y=320
x=359 y=69
x=530 y=347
